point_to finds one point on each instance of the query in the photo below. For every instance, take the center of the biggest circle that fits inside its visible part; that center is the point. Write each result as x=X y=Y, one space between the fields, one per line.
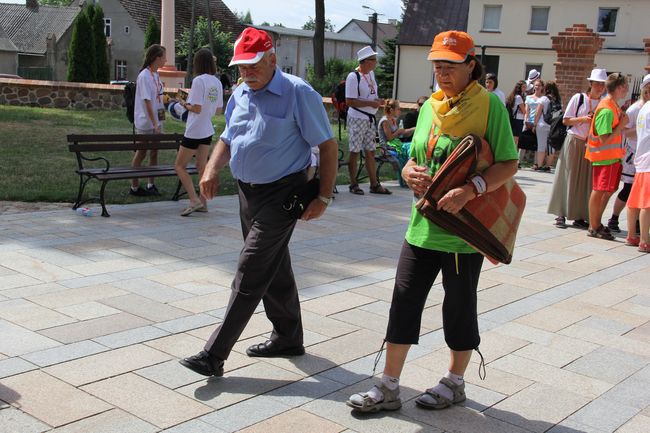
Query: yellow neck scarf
x=463 y=114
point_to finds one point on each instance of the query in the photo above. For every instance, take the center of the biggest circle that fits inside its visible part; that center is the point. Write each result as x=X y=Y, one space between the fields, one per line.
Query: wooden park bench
x=98 y=145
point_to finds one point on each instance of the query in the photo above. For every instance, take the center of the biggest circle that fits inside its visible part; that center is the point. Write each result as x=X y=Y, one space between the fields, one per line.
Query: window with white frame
x=607 y=20
x=107 y=27
x=491 y=18
x=539 y=19
x=120 y=69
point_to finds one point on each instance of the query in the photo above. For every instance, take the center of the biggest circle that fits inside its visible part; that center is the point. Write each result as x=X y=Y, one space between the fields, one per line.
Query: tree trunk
x=210 y=35
x=190 y=50
x=319 y=39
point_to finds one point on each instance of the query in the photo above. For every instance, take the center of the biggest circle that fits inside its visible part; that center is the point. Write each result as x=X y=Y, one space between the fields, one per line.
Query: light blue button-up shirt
x=270 y=131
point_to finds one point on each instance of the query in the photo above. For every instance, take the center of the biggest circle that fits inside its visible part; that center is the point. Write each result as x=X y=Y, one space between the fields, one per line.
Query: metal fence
x=35 y=72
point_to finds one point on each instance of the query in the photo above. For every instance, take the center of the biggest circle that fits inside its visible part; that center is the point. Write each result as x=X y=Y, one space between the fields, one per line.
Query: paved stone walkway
x=95 y=312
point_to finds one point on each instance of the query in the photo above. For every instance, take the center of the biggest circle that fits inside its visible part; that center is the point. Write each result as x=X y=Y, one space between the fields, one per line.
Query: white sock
x=443 y=390
x=390 y=382
x=134 y=188
x=149 y=185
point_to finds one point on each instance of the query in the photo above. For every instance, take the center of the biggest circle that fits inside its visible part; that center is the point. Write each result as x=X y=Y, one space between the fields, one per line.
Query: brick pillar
x=646 y=48
x=576 y=49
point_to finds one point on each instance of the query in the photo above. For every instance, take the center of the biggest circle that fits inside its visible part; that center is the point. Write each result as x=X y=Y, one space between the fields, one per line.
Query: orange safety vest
x=596 y=150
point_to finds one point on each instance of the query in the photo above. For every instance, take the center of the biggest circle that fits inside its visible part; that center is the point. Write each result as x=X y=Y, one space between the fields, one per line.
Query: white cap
x=599 y=75
x=533 y=75
x=646 y=81
x=365 y=52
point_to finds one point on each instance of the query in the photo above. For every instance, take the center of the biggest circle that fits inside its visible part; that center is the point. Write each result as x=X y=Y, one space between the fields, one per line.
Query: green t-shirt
x=422 y=232
x=603 y=124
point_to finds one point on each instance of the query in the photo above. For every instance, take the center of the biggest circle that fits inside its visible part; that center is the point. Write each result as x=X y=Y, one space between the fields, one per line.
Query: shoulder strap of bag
x=582 y=99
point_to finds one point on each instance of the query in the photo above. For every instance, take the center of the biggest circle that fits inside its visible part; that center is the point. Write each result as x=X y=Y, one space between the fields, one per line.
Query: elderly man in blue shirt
x=272 y=121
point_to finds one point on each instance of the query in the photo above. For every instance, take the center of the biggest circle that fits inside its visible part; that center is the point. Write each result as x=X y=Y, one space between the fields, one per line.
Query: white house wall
x=631 y=22
x=415 y=73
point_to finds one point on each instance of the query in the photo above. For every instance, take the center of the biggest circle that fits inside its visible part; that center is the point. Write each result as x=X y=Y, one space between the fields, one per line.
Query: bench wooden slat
x=94 y=138
x=112 y=147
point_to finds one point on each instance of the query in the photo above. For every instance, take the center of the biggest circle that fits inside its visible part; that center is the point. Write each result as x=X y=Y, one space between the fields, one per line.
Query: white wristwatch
x=326 y=200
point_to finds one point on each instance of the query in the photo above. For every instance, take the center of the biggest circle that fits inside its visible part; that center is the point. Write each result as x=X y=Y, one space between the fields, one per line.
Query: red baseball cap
x=250 y=46
x=452 y=46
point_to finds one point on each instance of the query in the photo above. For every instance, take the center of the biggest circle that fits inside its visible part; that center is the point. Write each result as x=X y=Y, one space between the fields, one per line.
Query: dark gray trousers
x=264 y=269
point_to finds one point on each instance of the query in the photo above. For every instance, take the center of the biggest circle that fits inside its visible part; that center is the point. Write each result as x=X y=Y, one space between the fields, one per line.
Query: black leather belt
x=283 y=180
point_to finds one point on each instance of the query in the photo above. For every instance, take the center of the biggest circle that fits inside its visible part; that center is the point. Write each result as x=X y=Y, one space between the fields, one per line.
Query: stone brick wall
x=59 y=94
x=576 y=49
x=85 y=96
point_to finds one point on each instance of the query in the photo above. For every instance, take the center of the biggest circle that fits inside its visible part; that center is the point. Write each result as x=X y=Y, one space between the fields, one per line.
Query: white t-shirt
x=535 y=104
x=206 y=91
x=516 y=110
x=150 y=88
x=501 y=95
x=365 y=90
x=642 y=158
x=630 y=143
x=580 y=130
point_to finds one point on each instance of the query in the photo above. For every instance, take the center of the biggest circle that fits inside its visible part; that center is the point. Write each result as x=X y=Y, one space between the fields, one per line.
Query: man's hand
x=209 y=184
x=455 y=199
x=314 y=210
x=417 y=178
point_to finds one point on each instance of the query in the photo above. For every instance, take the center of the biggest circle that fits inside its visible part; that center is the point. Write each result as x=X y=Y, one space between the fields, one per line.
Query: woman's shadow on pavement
x=332 y=384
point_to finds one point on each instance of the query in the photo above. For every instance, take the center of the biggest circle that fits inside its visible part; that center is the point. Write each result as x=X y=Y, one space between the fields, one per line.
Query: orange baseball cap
x=452 y=46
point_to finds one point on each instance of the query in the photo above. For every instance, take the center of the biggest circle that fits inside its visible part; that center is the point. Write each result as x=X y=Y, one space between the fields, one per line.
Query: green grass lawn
x=35 y=164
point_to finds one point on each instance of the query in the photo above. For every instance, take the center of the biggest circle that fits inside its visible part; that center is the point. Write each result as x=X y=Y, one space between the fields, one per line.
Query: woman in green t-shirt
x=459 y=108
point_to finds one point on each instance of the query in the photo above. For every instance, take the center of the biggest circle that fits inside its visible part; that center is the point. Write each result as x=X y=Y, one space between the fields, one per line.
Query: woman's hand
x=416 y=177
x=455 y=199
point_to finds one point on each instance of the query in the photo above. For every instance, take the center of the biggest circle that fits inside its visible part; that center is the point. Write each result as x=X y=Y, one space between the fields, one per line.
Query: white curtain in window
x=491 y=17
x=539 y=20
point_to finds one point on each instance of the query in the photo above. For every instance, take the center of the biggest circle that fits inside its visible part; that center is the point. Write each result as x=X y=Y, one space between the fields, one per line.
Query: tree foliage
x=311 y=25
x=266 y=23
x=96 y=17
x=222 y=44
x=385 y=71
x=244 y=18
x=81 y=52
x=335 y=71
x=152 y=33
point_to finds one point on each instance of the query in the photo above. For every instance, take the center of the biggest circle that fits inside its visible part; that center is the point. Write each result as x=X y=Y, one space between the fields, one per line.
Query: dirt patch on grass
x=14 y=207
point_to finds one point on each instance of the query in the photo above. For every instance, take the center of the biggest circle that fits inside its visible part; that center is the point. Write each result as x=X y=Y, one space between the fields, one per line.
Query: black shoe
x=612 y=224
x=140 y=192
x=152 y=190
x=581 y=224
x=270 y=349
x=560 y=222
x=203 y=364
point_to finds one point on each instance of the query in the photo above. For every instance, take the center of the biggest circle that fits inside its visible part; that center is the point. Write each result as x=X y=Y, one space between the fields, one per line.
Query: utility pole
x=373 y=20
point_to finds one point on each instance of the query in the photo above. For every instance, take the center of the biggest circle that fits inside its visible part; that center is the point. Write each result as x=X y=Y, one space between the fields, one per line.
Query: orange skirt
x=640 y=193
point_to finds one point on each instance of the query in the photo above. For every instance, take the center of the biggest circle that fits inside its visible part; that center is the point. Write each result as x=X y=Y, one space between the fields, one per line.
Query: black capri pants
x=417 y=270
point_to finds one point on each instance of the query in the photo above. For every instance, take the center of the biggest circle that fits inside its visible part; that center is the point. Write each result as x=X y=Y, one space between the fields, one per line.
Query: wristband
x=479 y=184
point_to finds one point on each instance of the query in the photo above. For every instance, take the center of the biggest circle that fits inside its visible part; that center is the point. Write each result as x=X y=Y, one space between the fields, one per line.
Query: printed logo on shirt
x=213 y=92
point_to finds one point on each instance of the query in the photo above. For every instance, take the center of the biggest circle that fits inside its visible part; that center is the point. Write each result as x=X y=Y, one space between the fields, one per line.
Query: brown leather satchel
x=488 y=223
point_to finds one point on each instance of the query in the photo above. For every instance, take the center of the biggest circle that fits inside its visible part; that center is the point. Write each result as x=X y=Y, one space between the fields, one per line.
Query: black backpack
x=558 y=130
x=129 y=100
